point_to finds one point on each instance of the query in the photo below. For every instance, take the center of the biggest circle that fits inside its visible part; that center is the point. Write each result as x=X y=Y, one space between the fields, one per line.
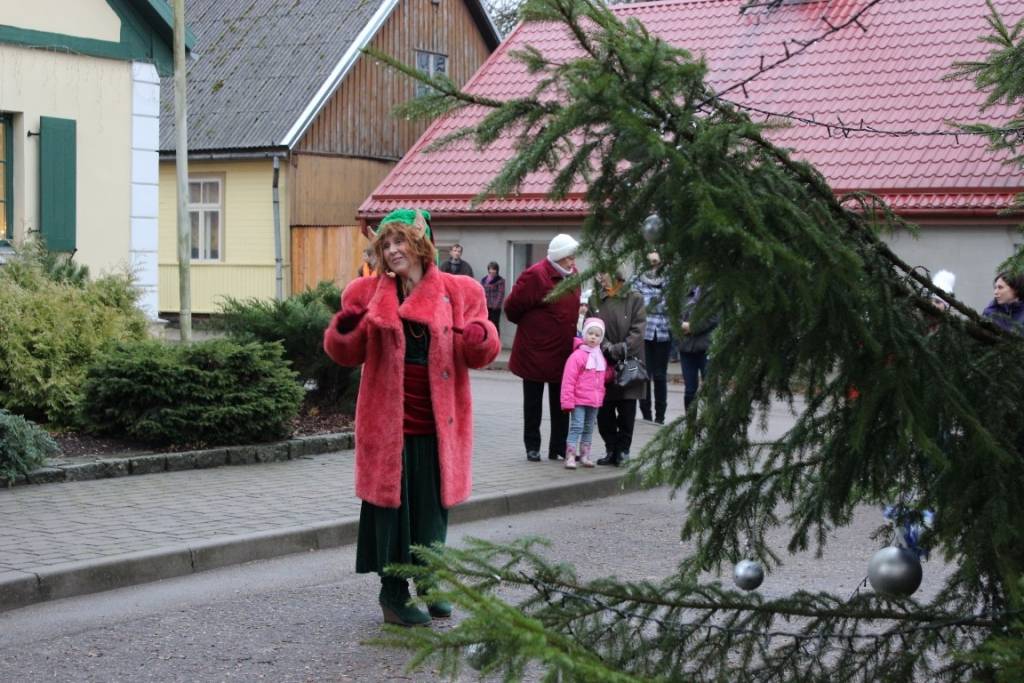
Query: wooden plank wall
x=357 y=120
x=328 y=190
x=325 y=253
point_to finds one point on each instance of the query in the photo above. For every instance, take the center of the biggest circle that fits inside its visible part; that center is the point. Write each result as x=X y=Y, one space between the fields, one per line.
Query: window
x=205 y=212
x=432 y=64
x=6 y=178
x=524 y=255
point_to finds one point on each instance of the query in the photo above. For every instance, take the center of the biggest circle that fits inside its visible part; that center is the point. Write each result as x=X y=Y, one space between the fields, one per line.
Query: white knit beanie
x=561 y=246
x=944 y=280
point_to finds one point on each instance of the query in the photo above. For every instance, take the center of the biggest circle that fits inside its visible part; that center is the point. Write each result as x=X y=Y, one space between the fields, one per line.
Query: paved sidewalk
x=60 y=540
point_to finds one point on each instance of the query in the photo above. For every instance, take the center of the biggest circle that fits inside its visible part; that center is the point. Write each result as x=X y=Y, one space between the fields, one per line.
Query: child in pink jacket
x=583 y=379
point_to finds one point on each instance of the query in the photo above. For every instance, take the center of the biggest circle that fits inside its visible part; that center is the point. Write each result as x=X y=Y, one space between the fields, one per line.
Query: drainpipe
x=278 y=266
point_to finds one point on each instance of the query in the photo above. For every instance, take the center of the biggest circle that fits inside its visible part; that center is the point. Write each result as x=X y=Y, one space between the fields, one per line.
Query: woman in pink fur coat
x=417 y=332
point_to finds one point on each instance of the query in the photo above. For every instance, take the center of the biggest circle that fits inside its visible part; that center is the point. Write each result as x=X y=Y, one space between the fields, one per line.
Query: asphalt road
x=306 y=617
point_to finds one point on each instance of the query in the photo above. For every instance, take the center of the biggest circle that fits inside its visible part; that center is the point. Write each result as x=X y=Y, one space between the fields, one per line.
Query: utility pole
x=181 y=164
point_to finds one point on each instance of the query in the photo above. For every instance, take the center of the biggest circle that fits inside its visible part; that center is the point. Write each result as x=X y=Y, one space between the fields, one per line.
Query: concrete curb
x=20 y=589
x=150 y=463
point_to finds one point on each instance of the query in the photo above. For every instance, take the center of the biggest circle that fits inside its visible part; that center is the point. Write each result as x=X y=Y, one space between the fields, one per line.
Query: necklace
x=415 y=330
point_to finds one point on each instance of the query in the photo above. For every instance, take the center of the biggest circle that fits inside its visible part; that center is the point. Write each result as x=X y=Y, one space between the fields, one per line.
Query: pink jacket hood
x=582 y=387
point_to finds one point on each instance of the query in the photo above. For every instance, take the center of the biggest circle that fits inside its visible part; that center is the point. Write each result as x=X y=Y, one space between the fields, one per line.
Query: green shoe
x=442 y=609
x=439 y=609
x=394 y=602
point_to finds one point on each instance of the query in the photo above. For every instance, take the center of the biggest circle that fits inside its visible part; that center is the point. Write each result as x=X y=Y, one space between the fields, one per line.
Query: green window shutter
x=57 y=162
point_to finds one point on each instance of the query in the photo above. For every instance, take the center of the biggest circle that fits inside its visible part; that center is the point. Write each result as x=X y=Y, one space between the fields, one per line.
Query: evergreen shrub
x=207 y=393
x=24 y=446
x=53 y=323
x=298 y=323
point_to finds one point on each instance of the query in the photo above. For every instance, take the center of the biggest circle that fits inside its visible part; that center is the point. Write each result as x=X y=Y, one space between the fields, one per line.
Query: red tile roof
x=890 y=76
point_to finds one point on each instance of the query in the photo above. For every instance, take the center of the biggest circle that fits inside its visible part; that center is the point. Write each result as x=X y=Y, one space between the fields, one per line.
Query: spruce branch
x=900 y=403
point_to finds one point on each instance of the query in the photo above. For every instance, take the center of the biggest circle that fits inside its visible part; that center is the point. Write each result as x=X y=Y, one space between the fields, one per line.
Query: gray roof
x=261 y=69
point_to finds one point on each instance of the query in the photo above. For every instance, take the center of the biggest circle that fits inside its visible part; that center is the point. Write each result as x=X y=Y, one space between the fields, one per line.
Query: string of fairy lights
x=794 y=47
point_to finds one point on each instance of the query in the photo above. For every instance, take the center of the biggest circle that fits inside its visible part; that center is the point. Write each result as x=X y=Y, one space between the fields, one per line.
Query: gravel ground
x=308 y=617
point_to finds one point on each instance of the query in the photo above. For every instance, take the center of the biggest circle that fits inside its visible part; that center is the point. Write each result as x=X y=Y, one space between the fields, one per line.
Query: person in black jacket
x=454 y=263
x=693 y=346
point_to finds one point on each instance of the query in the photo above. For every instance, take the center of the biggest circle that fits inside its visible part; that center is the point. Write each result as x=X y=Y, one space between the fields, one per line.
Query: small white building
x=890 y=75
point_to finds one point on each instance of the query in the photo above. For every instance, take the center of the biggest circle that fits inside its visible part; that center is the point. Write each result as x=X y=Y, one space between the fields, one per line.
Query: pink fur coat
x=444 y=303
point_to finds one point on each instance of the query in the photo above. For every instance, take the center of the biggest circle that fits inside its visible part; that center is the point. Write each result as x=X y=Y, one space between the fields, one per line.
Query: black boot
x=394 y=602
x=613 y=459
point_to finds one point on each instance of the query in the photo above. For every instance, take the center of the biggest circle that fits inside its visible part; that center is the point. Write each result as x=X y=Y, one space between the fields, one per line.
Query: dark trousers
x=533 y=402
x=656 y=358
x=615 y=422
x=695 y=368
x=494 y=315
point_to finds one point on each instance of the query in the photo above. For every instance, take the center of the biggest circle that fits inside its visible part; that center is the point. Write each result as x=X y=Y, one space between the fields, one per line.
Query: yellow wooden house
x=282 y=103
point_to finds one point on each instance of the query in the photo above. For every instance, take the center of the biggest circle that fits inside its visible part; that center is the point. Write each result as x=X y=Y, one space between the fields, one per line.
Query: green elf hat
x=417 y=218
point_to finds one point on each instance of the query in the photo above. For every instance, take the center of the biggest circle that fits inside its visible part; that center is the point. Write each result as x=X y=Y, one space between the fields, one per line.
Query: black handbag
x=630 y=371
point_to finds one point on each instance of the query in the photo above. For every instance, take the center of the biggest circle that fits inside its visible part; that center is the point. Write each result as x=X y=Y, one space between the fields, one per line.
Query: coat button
x=444 y=374
x=451 y=419
x=446 y=329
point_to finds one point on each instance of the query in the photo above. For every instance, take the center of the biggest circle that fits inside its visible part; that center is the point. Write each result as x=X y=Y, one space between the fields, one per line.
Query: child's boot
x=585 y=455
x=570 y=456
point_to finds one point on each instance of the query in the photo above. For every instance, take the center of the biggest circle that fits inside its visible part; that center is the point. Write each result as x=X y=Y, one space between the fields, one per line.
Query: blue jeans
x=581 y=425
x=695 y=368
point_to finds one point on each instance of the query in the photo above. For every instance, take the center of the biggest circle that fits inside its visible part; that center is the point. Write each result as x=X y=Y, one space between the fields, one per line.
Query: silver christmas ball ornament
x=748 y=574
x=479 y=655
x=895 y=571
x=653 y=228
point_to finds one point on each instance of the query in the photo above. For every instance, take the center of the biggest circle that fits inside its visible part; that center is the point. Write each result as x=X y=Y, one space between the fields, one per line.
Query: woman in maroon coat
x=544 y=335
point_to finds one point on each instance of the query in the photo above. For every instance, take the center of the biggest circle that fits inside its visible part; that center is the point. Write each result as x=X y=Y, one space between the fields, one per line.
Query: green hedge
x=298 y=323
x=53 y=323
x=23 y=446
x=207 y=393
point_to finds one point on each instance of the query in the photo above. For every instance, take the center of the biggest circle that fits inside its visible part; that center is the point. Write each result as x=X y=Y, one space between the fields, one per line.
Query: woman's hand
x=474 y=333
x=614 y=352
x=349 y=320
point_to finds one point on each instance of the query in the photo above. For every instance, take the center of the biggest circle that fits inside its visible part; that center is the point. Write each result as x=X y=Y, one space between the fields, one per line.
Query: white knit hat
x=944 y=280
x=561 y=246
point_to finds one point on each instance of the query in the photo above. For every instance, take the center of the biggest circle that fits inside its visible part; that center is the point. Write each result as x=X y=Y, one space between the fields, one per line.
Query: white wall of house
x=98 y=95
x=145 y=195
x=972 y=250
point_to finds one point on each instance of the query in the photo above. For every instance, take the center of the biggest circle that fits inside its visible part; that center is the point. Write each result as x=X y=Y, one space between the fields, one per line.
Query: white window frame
x=431 y=70
x=202 y=208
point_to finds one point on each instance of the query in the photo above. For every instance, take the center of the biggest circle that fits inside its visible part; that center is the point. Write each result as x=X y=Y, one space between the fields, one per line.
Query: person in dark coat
x=625 y=319
x=454 y=263
x=693 y=346
x=543 y=341
x=494 y=292
x=1006 y=308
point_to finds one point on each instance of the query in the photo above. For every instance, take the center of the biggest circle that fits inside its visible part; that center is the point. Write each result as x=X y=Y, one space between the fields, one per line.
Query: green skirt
x=386 y=534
